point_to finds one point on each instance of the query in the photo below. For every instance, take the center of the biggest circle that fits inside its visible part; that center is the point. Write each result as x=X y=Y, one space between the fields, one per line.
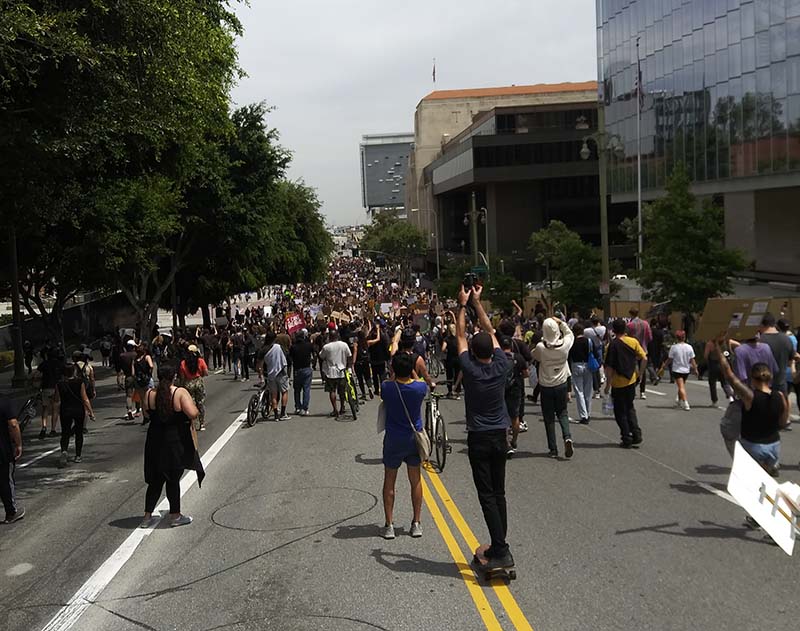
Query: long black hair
x=166 y=375
x=192 y=361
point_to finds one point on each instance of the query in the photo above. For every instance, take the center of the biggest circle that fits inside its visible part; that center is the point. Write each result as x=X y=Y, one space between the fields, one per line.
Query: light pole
x=436 y=218
x=604 y=143
x=471 y=219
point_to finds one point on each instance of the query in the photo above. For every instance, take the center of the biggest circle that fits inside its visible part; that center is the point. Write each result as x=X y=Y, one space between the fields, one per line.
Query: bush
x=6 y=359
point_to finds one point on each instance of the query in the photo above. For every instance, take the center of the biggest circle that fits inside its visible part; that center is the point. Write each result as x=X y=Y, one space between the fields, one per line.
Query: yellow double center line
x=502 y=591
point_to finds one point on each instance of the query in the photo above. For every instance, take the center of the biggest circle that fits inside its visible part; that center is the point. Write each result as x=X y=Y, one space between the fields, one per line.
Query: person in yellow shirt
x=625 y=361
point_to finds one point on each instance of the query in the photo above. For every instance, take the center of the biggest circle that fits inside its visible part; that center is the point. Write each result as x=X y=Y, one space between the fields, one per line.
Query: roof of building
x=512 y=90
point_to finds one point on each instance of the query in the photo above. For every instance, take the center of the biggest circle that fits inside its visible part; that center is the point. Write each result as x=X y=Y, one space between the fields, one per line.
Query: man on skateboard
x=485 y=368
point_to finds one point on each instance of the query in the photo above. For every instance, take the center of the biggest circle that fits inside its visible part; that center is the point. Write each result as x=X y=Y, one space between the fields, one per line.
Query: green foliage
x=573 y=265
x=685 y=260
x=500 y=289
x=395 y=237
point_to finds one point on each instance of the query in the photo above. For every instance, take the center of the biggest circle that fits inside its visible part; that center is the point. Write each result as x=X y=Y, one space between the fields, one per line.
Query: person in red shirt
x=192 y=371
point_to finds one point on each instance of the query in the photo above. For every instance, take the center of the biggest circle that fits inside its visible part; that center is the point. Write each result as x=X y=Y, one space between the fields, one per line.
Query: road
x=286 y=531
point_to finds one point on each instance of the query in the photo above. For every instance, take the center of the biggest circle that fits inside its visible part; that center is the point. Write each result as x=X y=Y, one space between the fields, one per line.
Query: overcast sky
x=337 y=69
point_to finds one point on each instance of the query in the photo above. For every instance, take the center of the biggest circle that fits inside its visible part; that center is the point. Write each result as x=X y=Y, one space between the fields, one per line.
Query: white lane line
x=703 y=485
x=661 y=394
x=38 y=458
x=70 y=613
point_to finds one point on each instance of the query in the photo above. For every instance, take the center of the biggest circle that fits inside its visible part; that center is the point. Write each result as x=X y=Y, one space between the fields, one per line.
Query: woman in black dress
x=171 y=446
x=74 y=405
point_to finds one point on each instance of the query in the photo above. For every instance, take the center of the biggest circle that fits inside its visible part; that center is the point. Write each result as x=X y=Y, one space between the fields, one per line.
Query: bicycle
x=259 y=404
x=29 y=410
x=434 y=365
x=436 y=429
x=350 y=394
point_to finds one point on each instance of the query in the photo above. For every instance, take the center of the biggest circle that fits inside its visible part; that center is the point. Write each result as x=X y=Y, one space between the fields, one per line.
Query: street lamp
x=605 y=142
x=471 y=217
x=436 y=217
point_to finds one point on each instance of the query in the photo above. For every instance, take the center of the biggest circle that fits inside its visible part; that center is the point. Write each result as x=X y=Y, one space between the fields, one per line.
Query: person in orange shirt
x=192 y=371
x=625 y=361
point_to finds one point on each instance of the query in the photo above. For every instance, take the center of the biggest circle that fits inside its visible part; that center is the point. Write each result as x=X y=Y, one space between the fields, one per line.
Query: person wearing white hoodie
x=552 y=354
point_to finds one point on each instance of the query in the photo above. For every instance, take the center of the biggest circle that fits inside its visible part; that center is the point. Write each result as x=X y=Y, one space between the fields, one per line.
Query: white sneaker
x=416 y=530
x=523 y=426
x=685 y=405
x=642 y=396
x=388 y=532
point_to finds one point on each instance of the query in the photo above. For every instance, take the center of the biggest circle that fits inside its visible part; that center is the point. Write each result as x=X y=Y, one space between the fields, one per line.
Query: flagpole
x=639 y=154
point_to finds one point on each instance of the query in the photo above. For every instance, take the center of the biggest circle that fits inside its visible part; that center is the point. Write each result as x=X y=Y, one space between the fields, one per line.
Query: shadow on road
x=712 y=469
x=711 y=530
x=358 y=531
x=410 y=563
x=360 y=459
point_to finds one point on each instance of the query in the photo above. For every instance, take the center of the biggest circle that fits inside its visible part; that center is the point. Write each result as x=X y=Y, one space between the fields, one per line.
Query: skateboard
x=479 y=562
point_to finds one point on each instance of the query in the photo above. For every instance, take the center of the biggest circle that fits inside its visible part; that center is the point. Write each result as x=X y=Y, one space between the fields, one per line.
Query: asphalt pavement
x=286 y=531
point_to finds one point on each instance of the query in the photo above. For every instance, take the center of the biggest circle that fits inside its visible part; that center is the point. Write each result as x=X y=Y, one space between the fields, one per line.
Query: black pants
x=173 y=481
x=67 y=422
x=452 y=368
x=217 y=355
x=378 y=376
x=487 y=457
x=714 y=376
x=245 y=366
x=625 y=413
x=363 y=374
x=7 y=488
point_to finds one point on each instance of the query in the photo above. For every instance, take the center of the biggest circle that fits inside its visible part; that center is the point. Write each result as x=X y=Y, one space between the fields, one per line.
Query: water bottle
x=608 y=406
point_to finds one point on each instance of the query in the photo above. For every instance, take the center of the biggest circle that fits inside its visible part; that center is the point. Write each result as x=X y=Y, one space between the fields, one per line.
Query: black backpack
x=142 y=373
x=514 y=374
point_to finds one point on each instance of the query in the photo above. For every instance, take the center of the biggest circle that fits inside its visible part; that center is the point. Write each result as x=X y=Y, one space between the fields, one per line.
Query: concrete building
x=384 y=165
x=721 y=83
x=444 y=114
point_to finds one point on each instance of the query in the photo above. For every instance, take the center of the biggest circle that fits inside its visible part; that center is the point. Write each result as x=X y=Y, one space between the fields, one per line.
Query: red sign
x=294 y=322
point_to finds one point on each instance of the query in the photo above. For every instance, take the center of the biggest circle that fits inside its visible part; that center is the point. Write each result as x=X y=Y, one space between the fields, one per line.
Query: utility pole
x=18 y=380
x=605 y=271
x=473 y=220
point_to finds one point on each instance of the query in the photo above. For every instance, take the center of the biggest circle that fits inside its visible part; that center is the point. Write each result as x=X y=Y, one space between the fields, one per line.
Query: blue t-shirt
x=396 y=420
x=485 y=392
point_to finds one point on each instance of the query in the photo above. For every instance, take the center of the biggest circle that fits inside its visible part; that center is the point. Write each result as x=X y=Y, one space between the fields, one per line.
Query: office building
x=384 y=165
x=443 y=114
x=721 y=93
x=524 y=167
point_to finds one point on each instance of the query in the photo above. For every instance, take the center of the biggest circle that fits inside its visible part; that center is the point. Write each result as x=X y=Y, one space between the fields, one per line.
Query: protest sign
x=294 y=322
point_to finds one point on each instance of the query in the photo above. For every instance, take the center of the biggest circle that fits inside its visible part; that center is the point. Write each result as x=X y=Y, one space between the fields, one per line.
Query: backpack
x=142 y=373
x=90 y=392
x=514 y=374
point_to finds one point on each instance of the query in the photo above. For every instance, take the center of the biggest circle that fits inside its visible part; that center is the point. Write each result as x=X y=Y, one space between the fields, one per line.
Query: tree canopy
x=572 y=265
x=122 y=166
x=684 y=258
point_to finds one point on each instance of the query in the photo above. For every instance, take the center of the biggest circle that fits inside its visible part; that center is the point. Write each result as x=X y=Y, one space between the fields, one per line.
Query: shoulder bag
x=420 y=437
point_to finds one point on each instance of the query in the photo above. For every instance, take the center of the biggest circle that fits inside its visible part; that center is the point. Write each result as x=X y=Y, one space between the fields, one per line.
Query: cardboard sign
x=741 y=317
x=387 y=307
x=294 y=322
x=772 y=505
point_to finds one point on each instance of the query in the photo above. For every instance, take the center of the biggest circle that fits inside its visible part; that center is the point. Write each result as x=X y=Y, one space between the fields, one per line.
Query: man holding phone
x=485 y=368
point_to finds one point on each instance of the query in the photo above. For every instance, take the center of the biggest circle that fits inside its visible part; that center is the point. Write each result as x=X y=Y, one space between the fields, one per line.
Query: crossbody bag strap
x=408 y=416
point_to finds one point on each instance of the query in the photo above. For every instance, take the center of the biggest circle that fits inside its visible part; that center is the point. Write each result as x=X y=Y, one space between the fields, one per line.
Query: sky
x=335 y=70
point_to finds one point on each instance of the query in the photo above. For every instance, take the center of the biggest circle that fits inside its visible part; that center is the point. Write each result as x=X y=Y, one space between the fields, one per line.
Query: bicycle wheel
x=252 y=411
x=440 y=444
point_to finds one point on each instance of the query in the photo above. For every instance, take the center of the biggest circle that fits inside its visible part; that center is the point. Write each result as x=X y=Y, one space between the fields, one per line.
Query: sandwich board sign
x=774 y=506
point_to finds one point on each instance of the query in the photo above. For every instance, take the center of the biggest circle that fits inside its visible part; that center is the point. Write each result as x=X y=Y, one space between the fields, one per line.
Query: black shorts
x=513 y=401
x=680 y=375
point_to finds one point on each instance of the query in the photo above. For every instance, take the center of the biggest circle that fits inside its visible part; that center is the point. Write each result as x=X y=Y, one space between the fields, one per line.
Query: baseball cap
x=193 y=348
x=331 y=326
x=131 y=343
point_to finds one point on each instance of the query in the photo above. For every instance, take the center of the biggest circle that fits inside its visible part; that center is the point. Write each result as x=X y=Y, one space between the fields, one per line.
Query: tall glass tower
x=721 y=93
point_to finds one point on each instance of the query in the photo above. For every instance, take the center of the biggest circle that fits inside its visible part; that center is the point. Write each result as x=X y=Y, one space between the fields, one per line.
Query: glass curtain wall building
x=721 y=91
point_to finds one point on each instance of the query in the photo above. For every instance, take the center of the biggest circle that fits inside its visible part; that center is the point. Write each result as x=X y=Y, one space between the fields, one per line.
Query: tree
x=396 y=237
x=100 y=102
x=573 y=266
x=685 y=260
